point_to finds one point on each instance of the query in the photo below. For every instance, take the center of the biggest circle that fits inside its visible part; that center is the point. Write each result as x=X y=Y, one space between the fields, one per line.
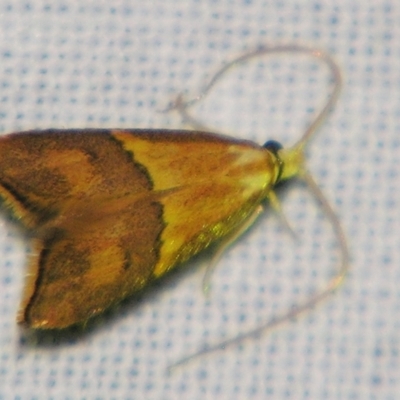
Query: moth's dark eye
x=273 y=146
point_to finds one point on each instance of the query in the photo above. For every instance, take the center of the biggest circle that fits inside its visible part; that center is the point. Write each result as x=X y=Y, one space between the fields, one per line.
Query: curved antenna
x=182 y=105
x=335 y=282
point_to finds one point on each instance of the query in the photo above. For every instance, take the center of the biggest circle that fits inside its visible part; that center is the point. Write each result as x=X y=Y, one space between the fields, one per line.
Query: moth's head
x=292 y=160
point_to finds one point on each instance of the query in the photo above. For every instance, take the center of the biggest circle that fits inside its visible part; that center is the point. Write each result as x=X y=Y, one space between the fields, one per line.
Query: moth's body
x=112 y=210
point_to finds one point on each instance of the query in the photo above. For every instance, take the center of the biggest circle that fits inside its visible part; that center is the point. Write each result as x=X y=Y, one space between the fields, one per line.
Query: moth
x=112 y=210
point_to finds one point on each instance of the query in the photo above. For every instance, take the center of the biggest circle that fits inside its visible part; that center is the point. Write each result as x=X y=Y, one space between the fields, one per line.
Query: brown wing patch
x=80 y=273
x=41 y=171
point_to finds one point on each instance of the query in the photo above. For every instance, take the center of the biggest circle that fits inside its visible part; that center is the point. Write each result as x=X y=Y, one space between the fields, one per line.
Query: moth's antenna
x=182 y=105
x=334 y=283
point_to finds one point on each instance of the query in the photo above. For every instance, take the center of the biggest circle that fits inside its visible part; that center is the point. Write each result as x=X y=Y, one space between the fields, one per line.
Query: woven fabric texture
x=116 y=64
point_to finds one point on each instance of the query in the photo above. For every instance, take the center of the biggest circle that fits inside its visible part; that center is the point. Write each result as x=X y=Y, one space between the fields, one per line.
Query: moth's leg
x=276 y=206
